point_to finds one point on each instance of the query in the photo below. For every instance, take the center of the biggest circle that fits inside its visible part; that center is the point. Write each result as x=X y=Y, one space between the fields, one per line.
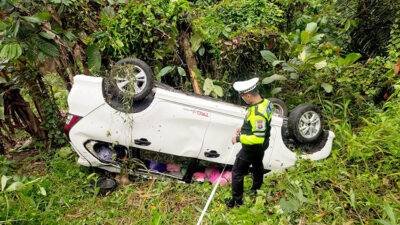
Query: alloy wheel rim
x=137 y=82
x=309 y=124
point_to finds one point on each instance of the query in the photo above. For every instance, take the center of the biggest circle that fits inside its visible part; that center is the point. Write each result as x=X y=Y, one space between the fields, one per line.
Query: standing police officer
x=254 y=136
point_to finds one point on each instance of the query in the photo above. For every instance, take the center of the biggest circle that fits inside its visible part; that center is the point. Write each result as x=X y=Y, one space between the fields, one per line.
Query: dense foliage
x=146 y=29
x=340 y=55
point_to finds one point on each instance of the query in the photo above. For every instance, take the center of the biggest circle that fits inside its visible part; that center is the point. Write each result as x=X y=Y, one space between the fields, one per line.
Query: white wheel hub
x=309 y=124
x=133 y=82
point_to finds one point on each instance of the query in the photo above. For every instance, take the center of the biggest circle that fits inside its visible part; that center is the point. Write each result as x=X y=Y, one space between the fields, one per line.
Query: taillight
x=70 y=122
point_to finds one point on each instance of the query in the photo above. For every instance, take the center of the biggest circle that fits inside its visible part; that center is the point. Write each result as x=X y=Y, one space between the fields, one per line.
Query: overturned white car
x=161 y=120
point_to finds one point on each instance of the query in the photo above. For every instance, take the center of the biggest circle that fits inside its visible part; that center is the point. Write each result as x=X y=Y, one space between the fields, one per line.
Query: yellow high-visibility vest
x=256 y=123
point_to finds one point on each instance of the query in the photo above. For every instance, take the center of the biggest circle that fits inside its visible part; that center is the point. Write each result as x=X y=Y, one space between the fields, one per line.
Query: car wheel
x=280 y=107
x=131 y=78
x=305 y=123
x=106 y=185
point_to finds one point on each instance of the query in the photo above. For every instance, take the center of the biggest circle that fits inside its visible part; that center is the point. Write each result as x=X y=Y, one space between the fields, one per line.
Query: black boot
x=230 y=203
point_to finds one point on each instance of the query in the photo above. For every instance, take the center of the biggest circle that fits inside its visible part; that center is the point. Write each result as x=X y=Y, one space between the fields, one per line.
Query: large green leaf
x=305 y=37
x=219 y=92
x=94 y=58
x=156 y=218
x=4 y=180
x=268 y=56
x=47 y=48
x=327 y=87
x=32 y=19
x=277 y=62
x=201 y=51
x=288 y=68
x=276 y=90
x=164 y=71
x=44 y=16
x=350 y=59
x=42 y=191
x=311 y=27
x=390 y=213
x=14 y=186
x=320 y=65
x=16 y=28
x=208 y=86
x=11 y=51
x=195 y=42
x=181 y=71
x=273 y=78
x=317 y=38
x=48 y=35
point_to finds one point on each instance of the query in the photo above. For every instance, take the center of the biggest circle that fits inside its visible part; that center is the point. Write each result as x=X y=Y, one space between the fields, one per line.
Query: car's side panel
x=278 y=156
x=85 y=95
x=108 y=125
x=218 y=138
x=180 y=128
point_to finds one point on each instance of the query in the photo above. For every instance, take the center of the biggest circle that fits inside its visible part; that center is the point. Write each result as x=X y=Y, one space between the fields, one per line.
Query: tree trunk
x=5 y=134
x=24 y=115
x=17 y=114
x=2 y=150
x=191 y=62
x=46 y=107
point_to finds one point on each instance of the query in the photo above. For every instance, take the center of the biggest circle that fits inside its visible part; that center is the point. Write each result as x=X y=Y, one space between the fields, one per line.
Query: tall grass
x=358 y=184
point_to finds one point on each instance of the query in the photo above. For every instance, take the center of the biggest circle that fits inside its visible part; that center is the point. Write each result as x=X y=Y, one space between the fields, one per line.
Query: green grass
x=358 y=184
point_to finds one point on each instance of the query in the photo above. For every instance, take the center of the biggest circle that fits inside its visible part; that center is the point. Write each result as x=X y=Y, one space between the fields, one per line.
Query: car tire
x=280 y=107
x=305 y=123
x=106 y=185
x=142 y=83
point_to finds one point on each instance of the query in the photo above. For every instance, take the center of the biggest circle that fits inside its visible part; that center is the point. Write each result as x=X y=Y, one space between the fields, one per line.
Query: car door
x=179 y=123
x=224 y=120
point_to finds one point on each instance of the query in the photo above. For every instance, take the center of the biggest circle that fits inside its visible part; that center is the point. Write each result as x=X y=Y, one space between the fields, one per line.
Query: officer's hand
x=234 y=140
x=238 y=131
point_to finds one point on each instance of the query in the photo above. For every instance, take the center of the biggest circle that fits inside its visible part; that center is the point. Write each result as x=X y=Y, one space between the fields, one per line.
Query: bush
x=145 y=29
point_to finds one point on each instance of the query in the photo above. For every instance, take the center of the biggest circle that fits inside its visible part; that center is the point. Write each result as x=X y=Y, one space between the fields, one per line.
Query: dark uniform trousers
x=254 y=136
x=247 y=156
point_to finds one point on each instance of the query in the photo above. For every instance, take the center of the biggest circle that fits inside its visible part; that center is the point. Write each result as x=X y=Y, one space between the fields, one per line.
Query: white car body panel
x=175 y=123
x=84 y=96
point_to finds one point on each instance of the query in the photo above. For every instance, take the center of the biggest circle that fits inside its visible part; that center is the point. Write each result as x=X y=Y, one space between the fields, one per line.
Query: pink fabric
x=173 y=167
x=212 y=174
x=199 y=176
x=214 y=177
x=227 y=175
